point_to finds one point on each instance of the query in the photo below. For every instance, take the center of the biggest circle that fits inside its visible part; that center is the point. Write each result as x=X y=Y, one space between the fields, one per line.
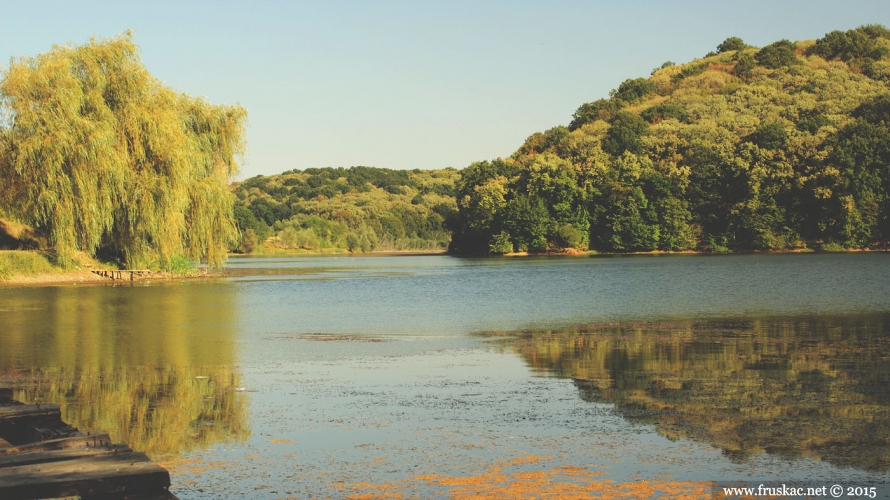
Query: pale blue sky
x=411 y=84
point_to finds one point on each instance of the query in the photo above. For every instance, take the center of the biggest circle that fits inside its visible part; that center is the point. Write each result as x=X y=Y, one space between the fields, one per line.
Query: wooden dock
x=120 y=274
x=43 y=457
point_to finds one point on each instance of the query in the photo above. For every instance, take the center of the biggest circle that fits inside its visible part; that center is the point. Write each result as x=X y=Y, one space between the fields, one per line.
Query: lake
x=435 y=376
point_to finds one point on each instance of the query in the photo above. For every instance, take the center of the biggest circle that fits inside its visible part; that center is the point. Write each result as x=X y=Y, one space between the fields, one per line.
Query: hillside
x=782 y=147
x=357 y=209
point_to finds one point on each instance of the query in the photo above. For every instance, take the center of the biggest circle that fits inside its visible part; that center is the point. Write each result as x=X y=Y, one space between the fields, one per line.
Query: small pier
x=43 y=457
x=122 y=274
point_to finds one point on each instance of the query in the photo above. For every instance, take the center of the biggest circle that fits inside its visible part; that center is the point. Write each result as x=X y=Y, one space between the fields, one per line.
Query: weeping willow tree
x=99 y=154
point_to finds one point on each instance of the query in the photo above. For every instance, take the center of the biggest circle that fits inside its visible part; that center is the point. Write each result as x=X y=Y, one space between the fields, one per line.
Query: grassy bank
x=15 y=263
x=33 y=267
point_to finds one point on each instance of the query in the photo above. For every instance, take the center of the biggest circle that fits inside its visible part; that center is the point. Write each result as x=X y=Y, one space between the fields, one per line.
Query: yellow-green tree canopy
x=100 y=154
x=782 y=147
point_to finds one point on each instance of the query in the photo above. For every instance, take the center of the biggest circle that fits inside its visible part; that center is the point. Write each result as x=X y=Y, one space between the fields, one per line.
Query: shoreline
x=593 y=253
x=87 y=277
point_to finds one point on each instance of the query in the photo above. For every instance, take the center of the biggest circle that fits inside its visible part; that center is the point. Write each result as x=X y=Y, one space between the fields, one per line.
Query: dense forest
x=103 y=159
x=359 y=209
x=782 y=147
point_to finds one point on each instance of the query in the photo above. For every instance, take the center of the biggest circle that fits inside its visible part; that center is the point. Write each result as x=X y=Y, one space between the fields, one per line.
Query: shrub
x=500 y=243
x=832 y=247
x=664 y=111
x=567 y=236
x=777 y=55
x=625 y=134
x=633 y=90
x=601 y=109
x=182 y=266
x=744 y=66
x=732 y=43
x=856 y=44
x=538 y=245
x=769 y=136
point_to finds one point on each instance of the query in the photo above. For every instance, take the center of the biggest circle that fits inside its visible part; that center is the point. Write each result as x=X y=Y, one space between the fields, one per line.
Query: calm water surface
x=331 y=377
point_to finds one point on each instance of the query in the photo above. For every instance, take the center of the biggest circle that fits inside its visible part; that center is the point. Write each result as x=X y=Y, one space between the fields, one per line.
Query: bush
x=601 y=109
x=567 y=236
x=625 y=134
x=248 y=241
x=664 y=111
x=689 y=70
x=181 y=265
x=732 y=43
x=856 y=44
x=500 y=243
x=288 y=237
x=777 y=55
x=307 y=239
x=769 y=136
x=632 y=90
x=353 y=242
x=832 y=247
x=744 y=66
x=538 y=245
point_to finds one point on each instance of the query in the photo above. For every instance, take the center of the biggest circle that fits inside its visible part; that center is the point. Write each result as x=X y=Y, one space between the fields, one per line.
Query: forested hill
x=356 y=208
x=780 y=147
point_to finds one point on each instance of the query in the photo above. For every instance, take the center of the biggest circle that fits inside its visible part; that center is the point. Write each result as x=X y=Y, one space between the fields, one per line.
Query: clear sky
x=411 y=84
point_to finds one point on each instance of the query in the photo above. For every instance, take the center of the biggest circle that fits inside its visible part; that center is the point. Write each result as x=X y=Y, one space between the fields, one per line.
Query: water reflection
x=816 y=387
x=151 y=365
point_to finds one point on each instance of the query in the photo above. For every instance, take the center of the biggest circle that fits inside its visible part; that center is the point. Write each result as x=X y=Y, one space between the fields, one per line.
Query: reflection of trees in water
x=153 y=366
x=159 y=411
x=795 y=387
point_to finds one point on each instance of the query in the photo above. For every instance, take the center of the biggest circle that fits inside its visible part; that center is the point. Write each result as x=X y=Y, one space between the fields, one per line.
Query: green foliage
x=625 y=134
x=832 y=247
x=732 y=43
x=689 y=70
x=500 y=243
x=856 y=45
x=769 y=136
x=23 y=263
x=744 y=66
x=527 y=220
x=862 y=151
x=318 y=208
x=666 y=64
x=99 y=154
x=812 y=120
x=567 y=236
x=875 y=111
x=633 y=90
x=728 y=156
x=777 y=55
x=665 y=111
x=181 y=265
x=249 y=241
x=539 y=143
x=353 y=242
x=288 y=237
x=245 y=219
x=601 y=109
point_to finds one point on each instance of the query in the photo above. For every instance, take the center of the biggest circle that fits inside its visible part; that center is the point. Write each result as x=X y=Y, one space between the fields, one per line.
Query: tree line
x=359 y=209
x=782 y=147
